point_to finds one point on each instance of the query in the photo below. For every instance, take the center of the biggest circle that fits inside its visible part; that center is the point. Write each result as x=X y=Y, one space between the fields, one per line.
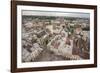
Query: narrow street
x=47 y=55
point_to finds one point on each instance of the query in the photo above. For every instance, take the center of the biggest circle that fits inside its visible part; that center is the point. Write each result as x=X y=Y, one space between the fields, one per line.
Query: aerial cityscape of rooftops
x=55 y=38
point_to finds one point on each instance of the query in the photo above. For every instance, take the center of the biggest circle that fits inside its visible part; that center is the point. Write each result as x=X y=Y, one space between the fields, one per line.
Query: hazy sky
x=54 y=13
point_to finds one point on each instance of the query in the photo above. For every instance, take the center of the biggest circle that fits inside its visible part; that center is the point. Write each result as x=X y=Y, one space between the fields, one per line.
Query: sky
x=55 y=13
